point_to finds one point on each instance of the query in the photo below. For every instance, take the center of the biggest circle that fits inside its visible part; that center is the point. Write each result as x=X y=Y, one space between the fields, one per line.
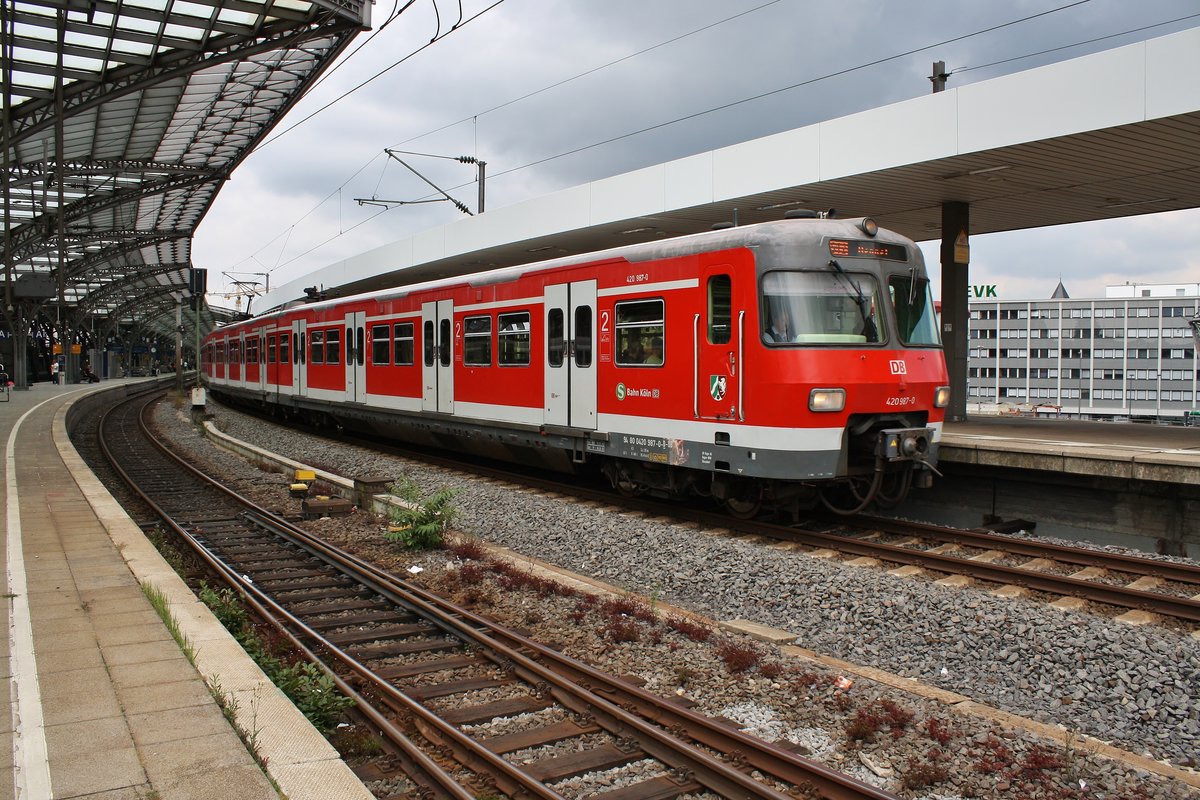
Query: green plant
x=355 y=742
x=226 y=607
x=159 y=601
x=313 y=692
x=420 y=522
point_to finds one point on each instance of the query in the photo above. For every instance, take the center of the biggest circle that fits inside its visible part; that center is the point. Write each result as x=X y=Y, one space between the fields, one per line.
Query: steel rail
x=706 y=769
x=1120 y=562
x=436 y=779
x=765 y=756
x=1174 y=606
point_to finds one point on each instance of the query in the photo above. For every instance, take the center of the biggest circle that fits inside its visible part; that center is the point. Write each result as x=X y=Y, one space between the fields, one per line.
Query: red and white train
x=785 y=362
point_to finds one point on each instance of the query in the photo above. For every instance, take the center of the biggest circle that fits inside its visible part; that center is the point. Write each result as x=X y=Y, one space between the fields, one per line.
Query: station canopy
x=121 y=121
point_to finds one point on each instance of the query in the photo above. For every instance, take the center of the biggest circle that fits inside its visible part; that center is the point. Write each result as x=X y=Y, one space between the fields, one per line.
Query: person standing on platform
x=54 y=372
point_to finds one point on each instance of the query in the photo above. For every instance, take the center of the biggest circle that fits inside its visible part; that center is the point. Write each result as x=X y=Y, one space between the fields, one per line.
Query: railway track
x=1015 y=566
x=428 y=674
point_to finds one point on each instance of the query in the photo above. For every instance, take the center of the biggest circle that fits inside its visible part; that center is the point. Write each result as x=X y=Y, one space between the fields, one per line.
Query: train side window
x=513 y=339
x=640 y=333
x=477 y=341
x=332 y=342
x=444 y=343
x=252 y=350
x=381 y=345
x=720 y=309
x=316 y=343
x=404 y=344
x=556 y=344
x=285 y=355
x=430 y=344
x=272 y=347
x=583 y=336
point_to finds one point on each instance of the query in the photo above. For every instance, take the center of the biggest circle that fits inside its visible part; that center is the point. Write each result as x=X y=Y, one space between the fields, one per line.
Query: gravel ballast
x=1137 y=687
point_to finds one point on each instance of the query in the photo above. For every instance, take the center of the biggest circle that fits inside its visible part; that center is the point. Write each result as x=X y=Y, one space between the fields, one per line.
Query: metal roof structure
x=121 y=121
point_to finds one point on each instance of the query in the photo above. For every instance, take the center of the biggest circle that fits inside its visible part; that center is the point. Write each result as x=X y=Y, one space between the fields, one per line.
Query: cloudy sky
x=552 y=94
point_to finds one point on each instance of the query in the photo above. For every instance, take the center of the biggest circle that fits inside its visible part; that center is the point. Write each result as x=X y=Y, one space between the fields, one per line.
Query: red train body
x=786 y=361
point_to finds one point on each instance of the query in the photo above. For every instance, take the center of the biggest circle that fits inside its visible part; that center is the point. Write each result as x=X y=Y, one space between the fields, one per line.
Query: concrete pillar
x=955 y=258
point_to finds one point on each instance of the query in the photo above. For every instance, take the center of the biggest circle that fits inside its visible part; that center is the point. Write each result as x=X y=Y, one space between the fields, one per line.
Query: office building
x=1130 y=354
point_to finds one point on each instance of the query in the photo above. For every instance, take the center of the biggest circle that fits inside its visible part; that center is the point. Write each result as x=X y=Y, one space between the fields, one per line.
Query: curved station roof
x=121 y=121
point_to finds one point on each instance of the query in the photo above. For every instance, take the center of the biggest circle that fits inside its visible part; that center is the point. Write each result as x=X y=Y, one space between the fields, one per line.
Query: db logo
x=898 y=367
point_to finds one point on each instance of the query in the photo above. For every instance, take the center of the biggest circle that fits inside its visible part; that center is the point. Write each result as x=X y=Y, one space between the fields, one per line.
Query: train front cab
x=853 y=359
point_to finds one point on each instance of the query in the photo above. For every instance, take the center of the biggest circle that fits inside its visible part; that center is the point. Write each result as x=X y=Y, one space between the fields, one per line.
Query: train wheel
x=745 y=502
x=625 y=485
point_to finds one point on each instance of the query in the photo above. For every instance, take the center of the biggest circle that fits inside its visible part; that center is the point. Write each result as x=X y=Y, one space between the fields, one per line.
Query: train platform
x=1131 y=451
x=103 y=702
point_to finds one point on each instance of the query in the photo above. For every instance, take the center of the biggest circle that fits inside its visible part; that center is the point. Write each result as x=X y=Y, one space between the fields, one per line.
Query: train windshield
x=916 y=315
x=832 y=307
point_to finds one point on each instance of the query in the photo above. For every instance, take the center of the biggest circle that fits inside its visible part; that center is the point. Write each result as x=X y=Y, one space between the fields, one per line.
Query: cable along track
x=436 y=679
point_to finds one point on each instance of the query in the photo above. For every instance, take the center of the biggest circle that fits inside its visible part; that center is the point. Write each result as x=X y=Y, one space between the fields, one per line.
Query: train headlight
x=826 y=399
x=868 y=226
x=941 y=397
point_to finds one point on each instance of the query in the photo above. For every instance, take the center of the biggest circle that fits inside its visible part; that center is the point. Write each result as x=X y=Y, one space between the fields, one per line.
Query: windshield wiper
x=862 y=299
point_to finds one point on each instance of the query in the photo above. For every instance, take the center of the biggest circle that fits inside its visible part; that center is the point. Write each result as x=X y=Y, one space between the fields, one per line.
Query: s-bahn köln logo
x=716 y=386
x=898 y=367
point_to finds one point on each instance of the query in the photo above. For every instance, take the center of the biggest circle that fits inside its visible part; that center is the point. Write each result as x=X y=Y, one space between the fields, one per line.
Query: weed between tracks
x=305 y=683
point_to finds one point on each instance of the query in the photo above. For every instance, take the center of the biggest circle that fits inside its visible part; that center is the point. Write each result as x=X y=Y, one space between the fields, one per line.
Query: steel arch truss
x=121 y=122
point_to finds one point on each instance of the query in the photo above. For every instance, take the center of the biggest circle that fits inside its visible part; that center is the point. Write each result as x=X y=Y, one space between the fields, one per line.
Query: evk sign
x=979 y=292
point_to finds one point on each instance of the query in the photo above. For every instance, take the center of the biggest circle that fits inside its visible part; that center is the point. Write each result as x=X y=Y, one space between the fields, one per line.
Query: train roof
x=762 y=236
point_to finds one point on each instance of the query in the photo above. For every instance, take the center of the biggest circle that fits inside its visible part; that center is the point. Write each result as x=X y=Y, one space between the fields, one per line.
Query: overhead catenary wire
x=749 y=99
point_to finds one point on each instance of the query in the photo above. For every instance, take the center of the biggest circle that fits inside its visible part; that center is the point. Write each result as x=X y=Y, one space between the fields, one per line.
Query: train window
x=583 y=336
x=272 y=346
x=640 y=328
x=252 y=350
x=332 y=344
x=915 y=313
x=513 y=342
x=381 y=345
x=826 y=307
x=444 y=343
x=720 y=309
x=556 y=339
x=316 y=341
x=404 y=344
x=430 y=344
x=235 y=353
x=477 y=341
x=284 y=355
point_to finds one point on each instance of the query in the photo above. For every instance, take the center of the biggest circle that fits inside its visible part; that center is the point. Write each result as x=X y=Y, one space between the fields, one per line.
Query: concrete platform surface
x=103 y=702
x=1133 y=451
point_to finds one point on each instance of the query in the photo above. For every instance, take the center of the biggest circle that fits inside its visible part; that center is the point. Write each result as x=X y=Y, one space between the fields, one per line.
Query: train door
x=718 y=338
x=437 y=345
x=356 y=363
x=570 y=397
x=299 y=356
x=262 y=359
